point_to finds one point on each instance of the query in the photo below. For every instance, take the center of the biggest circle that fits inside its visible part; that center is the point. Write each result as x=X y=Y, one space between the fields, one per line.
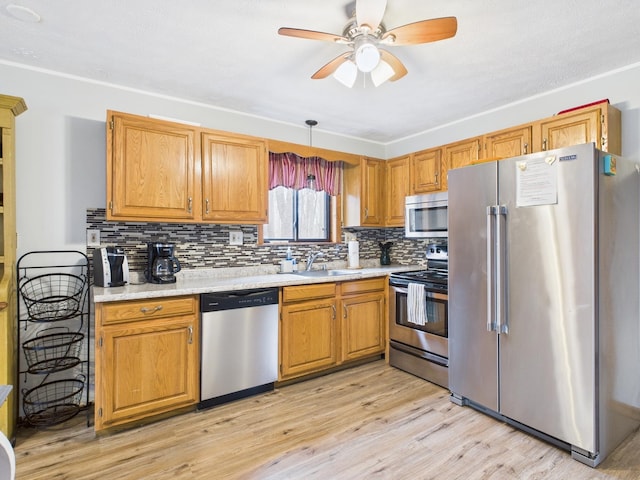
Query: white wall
x=60 y=149
x=61 y=139
x=620 y=87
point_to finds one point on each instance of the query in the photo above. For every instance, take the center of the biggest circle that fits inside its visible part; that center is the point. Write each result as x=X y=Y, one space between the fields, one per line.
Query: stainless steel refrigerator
x=544 y=317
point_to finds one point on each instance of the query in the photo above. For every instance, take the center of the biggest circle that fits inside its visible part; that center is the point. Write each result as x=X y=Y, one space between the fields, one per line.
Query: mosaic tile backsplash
x=207 y=246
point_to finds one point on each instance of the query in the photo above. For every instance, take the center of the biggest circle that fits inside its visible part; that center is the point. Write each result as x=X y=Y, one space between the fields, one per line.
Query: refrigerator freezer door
x=547 y=360
x=473 y=350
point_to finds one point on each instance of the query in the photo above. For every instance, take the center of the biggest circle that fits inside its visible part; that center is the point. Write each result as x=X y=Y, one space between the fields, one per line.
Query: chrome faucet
x=311 y=258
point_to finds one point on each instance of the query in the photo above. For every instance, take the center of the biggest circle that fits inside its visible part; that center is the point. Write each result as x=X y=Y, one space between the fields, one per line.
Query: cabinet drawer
x=118 y=312
x=307 y=292
x=366 y=285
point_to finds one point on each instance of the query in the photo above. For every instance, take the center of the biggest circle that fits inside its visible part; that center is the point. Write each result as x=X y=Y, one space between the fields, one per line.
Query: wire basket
x=54 y=296
x=53 y=402
x=52 y=352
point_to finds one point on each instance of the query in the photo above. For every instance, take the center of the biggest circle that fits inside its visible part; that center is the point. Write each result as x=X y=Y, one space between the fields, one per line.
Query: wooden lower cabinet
x=314 y=339
x=147 y=359
x=363 y=325
x=309 y=337
x=308 y=329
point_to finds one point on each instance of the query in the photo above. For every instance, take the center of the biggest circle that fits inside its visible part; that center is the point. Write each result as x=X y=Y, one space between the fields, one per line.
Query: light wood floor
x=370 y=422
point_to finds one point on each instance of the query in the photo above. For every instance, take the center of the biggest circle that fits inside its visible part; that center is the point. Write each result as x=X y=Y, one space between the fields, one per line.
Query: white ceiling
x=227 y=53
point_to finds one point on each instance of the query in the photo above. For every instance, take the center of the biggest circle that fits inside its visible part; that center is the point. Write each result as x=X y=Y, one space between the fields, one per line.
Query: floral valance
x=290 y=170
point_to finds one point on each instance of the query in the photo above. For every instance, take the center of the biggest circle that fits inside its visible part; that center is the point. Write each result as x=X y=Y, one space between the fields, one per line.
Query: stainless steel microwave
x=426 y=216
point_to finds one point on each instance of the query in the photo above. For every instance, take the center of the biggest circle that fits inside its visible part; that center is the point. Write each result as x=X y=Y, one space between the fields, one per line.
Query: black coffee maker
x=161 y=264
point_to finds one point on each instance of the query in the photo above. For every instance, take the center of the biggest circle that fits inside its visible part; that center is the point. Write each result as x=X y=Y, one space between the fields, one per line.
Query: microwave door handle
x=491 y=323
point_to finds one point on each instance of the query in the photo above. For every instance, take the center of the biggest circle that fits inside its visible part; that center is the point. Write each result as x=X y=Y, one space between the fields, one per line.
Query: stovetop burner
x=436 y=276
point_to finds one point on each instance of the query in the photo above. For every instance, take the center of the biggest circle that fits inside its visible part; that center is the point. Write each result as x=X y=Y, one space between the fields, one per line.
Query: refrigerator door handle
x=501 y=253
x=491 y=317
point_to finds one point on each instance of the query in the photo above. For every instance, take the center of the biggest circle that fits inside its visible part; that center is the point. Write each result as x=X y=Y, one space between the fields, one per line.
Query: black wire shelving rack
x=54 y=330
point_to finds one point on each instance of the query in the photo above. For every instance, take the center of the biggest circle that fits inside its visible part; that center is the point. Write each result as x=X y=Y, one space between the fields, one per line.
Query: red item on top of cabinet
x=583 y=106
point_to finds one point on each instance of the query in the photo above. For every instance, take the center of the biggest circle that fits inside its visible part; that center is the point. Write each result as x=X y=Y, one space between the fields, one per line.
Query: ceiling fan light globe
x=346 y=74
x=381 y=73
x=367 y=57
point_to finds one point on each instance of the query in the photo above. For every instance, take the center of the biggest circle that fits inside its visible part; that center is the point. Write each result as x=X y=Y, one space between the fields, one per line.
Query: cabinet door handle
x=151 y=310
x=333 y=307
x=544 y=144
x=526 y=147
x=344 y=308
x=190 y=205
x=206 y=202
x=190 y=339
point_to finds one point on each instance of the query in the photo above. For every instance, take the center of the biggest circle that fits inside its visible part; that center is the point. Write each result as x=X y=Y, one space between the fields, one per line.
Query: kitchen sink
x=324 y=273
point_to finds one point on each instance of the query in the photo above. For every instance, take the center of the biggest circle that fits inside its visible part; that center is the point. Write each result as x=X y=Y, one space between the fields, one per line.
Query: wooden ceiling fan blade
x=370 y=12
x=331 y=67
x=311 y=35
x=424 y=31
x=399 y=69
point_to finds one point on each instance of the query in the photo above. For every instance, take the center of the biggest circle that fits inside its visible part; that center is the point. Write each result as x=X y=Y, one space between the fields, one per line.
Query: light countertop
x=195 y=282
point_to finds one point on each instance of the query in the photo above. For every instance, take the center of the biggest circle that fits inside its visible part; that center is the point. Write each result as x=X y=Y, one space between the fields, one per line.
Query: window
x=298 y=215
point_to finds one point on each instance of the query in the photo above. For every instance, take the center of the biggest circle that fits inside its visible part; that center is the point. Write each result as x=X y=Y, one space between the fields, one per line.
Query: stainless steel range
x=418 y=319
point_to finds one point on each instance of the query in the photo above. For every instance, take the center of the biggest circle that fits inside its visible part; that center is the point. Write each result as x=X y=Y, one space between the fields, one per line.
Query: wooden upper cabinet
x=508 y=143
x=172 y=172
x=461 y=154
x=426 y=171
x=362 y=196
x=234 y=179
x=372 y=207
x=600 y=124
x=151 y=169
x=397 y=187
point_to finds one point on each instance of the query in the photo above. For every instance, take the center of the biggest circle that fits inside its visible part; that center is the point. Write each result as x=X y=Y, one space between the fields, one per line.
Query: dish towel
x=416 y=304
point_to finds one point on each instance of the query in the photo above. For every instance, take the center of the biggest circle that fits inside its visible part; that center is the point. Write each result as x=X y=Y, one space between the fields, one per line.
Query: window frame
x=335 y=227
x=296 y=222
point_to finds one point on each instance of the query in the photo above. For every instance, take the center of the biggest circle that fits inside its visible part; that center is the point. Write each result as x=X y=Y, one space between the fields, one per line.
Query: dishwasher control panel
x=211 y=302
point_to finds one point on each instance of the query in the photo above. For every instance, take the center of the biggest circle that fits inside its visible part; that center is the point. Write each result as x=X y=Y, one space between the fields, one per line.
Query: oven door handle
x=435 y=295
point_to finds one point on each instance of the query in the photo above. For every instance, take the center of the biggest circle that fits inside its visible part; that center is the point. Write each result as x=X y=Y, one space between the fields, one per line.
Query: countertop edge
x=200 y=285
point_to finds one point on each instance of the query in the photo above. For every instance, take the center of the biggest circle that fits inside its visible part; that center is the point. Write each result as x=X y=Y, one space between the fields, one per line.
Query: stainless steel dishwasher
x=239 y=350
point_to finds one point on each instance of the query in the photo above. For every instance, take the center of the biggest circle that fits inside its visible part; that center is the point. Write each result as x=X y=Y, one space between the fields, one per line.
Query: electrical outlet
x=349 y=236
x=235 y=238
x=93 y=238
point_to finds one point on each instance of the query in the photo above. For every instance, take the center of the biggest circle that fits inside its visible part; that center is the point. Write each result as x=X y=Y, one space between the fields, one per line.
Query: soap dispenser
x=286 y=265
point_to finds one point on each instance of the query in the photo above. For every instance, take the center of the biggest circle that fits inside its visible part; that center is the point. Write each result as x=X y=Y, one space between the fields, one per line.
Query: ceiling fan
x=365 y=34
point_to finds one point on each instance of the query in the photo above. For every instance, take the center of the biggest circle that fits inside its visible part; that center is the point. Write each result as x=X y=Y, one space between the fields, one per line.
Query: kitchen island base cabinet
x=147 y=359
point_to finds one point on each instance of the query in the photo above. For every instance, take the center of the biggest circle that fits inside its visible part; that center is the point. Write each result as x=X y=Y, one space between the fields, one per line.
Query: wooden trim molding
x=278 y=146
